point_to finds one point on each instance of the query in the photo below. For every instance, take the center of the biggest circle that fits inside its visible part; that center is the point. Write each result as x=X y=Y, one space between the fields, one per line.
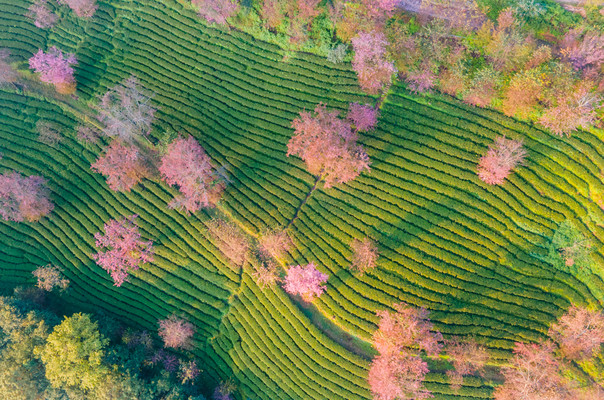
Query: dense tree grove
x=125 y=249
x=23 y=198
x=84 y=357
x=55 y=68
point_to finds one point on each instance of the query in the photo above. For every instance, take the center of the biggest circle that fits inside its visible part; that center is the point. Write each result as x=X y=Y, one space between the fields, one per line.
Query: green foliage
x=73 y=354
x=570 y=250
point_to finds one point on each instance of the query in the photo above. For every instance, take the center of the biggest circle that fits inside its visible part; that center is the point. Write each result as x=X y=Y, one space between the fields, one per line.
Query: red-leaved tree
x=217 y=11
x=23 y=198
x=398 y=377
x=122 y=165
x=305 y=281
x=500 y=160
x=579 y=332
x=327 y=144
x=186 y=165
x=404 y=328
x=373 y=69
x=176 y=332
x=467 y=357
x=534 y=375
x=364 y=255
x=55 y=68
x=81 y=8
x=126 y=111
x=362 y=116
x=42 y=15
x=125 y=249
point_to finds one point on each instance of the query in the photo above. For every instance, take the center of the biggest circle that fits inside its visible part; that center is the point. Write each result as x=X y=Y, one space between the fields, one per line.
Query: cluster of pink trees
x=328 y=144
x=55 y=68
x=176 y=332
x=123 y=165
x=305 y=281
x=23 y=198
x=370 y=61
x=500 y=160
x=187 y=166
x=579 y=333
x=125 y=249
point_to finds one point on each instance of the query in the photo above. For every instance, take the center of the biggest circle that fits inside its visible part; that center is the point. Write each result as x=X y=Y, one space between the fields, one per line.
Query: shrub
x=500 y=160
x=55 y=68
x=122 y=165
x=176 y=332
x=364 y=255
x=126 y=250
x=187 y=166
x=305 y=281
x=230 y=241
x=23 y=198
x=50 y=277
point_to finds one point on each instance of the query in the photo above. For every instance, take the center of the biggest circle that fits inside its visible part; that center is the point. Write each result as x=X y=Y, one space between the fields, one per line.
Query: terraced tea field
x=466 y=251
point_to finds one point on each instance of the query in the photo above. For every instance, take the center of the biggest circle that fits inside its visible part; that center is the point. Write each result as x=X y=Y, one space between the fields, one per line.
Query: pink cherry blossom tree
x=176 y=332
x=398 y=377
x=579 y=332
x=81 y=8
x=534 y=375
x=327 y=145
x=125 y=249
x=362 y=116
x=50 y=277
x=467 y=357
x=42 y=15
x=23 y=198
x=500 y=160
x=8 y=74
x=230 y=240
x=305 y=281
x=122 y=165
x=406 y=327
x=55 y=68
x=186 y=165
x=364 y=255
x=217 y=11
x=373 y=69
x=126 y=111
